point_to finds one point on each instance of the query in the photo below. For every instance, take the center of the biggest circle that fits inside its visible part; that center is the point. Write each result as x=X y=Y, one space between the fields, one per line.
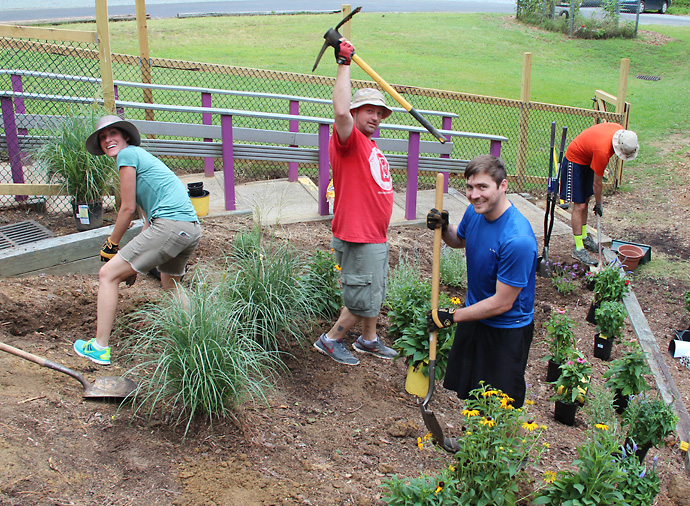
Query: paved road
x=34 y=10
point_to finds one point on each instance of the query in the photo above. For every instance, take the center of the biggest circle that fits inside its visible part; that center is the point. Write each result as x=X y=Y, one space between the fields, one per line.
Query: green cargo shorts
x=364 y=274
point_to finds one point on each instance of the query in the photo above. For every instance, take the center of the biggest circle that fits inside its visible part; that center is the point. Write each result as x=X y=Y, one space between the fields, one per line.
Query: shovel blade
x=110 y=387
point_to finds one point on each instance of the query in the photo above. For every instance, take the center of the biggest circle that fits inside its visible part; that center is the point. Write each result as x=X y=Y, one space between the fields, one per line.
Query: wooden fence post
x=105 y=56
x=145 y=59
x=523 y=125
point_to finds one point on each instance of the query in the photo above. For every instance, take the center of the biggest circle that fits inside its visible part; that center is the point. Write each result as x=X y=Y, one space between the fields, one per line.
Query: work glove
x=108 y=250
x=436 y=219
x=343 y=52
x=439 y=318
x=599 y=209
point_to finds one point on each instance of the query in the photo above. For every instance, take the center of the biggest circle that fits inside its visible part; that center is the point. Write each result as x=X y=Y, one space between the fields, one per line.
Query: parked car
x=645 y=5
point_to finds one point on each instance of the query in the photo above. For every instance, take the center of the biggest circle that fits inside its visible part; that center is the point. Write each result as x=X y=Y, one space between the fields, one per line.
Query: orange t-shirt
x=594 y=146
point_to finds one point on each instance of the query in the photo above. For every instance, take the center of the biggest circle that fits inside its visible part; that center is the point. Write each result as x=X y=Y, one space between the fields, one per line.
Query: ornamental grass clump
x=191 y=359
x=321 y=279
x=261 y=294
x=559 y=328
x=453 y=269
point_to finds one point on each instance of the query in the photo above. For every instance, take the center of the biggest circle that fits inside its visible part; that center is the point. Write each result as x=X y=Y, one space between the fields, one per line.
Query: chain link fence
x=526 y=125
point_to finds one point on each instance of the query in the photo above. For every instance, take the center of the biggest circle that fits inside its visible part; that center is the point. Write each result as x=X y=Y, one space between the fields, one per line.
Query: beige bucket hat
x=625 y=144
x=370 y=96
x=93 y=146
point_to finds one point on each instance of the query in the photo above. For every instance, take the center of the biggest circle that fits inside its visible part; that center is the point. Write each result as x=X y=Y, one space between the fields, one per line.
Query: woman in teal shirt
x=171 y=230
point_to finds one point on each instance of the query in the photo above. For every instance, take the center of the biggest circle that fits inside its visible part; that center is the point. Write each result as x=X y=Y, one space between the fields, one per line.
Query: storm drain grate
x=649 y=78
x=16 y=234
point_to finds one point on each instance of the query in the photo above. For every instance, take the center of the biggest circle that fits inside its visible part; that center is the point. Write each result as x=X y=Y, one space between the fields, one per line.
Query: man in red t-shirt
x=582 y=175
x=362 y=212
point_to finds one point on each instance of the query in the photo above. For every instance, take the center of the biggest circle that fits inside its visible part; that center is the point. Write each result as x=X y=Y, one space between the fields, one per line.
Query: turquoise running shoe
x=86 y=349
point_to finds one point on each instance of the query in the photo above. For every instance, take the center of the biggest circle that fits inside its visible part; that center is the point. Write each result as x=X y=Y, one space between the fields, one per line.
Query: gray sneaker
x=377 y=348
x=581 y=255
x=590 y=244
x=337 y=351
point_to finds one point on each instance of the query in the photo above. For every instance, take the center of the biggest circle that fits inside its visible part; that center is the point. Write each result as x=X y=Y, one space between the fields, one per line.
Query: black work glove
x=599 y=209
x=108 y=250
x=343 y=52
x=436 y=219
x=439 y=318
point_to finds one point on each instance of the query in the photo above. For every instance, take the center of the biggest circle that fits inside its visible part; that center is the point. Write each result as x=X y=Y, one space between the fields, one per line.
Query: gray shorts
x=364 y=273
x=165 y=244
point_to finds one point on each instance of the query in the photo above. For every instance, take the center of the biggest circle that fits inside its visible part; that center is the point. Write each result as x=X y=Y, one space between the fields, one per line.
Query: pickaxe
x=332 y=37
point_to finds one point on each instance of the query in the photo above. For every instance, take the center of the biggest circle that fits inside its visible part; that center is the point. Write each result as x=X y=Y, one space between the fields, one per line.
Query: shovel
x=543 y=260
x=429 y=418
x=102 y=388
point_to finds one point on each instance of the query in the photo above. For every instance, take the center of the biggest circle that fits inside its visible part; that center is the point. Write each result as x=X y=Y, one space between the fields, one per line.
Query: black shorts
x=494 y=355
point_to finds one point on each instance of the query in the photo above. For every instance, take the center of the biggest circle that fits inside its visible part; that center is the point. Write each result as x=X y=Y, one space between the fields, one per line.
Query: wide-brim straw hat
x=625 y=144
x=93 y=145
x=370 y=96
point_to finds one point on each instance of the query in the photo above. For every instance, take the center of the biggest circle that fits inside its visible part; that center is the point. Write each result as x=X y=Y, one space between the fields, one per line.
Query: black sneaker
x=582 y=256
x=376 y=348
x=590 y=244
x=336 y=350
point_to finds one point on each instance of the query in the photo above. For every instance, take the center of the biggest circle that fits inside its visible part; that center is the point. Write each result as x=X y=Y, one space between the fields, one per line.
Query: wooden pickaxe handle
x=398 y=98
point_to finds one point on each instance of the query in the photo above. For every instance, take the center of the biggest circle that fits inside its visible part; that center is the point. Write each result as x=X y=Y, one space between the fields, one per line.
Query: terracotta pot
x=564 y=412
x=630 y=256
x=553 y=372
x=602 y=347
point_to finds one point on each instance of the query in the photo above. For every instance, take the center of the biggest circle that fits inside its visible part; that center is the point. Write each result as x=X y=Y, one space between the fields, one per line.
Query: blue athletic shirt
x=503 y=249
x=160 y=193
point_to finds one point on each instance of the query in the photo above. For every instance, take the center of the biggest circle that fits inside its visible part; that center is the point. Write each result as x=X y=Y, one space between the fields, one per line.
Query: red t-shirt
x=594 y=146
x=363 y=189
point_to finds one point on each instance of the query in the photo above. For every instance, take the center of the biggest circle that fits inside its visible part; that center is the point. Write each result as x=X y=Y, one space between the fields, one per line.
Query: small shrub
x=564 y=277
x=438 y=490
x=559 y=327
x=453 y=268
x=321 y=279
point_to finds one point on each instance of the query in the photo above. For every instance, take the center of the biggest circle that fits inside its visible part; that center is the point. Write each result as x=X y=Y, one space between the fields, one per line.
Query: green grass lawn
x=474 y=53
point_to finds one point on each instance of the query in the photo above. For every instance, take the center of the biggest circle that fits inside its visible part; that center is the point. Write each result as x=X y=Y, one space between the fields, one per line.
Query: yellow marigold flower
x=506 y=402
x=470 y=412
x=549 y=476
x=490 y=393
x=489 y=422
x=601 y=426
x=529 y=401
x=530 y=426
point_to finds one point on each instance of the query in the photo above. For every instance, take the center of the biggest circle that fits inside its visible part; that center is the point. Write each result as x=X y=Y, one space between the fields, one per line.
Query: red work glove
x=343 y=52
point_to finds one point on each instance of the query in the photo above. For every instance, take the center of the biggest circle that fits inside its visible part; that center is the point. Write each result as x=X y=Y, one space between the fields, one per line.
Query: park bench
x=404 y=155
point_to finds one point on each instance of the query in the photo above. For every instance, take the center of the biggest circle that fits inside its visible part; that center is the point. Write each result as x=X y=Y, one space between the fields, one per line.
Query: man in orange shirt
x=582 y=175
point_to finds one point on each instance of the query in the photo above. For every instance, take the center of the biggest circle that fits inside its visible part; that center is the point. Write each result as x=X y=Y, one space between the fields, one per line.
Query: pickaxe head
x=332 y=36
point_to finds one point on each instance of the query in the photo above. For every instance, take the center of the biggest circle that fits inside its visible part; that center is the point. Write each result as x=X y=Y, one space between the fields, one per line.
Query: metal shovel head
x=542 y=264
x=110 y=387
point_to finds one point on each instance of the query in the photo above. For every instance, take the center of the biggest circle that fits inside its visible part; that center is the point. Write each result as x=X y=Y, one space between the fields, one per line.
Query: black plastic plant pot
x=87 y=216
x=553 y=372
x=620 y=402
x=195 y=189
x=591 y=313
x=602 y=347
x=564 y=412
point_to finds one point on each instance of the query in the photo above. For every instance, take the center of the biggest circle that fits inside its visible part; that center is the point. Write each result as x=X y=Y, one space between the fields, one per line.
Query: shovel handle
x=436 y=264
x=43 y=362
x=398 y=98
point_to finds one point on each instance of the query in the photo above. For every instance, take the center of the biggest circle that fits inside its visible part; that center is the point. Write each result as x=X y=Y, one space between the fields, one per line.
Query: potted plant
x=625 y=377
x=571 y=388
x=559 y=328
x=610 y=318
x=649 y=420
x=610 y=284
x=85 y=177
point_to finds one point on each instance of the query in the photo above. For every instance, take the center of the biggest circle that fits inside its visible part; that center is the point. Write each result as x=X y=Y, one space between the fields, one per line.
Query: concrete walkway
x=279 y=201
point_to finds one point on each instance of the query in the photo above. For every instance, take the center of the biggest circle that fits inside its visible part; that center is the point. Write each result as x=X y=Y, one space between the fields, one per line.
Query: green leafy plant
x=408 y=300
x=63 y=155
x=571 y=385
x=610 y=284
x=649 y=419
x=626 y=374
x=610 y=318
x=321 y=278
x=639 y=486
x=438 y=490
x=193 y=361
x=453 y=269
x=496 y=444
x=559 y=328
x=687 y=300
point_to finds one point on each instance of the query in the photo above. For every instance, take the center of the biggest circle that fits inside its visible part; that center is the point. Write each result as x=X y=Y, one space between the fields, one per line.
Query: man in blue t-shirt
x=495 y=326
